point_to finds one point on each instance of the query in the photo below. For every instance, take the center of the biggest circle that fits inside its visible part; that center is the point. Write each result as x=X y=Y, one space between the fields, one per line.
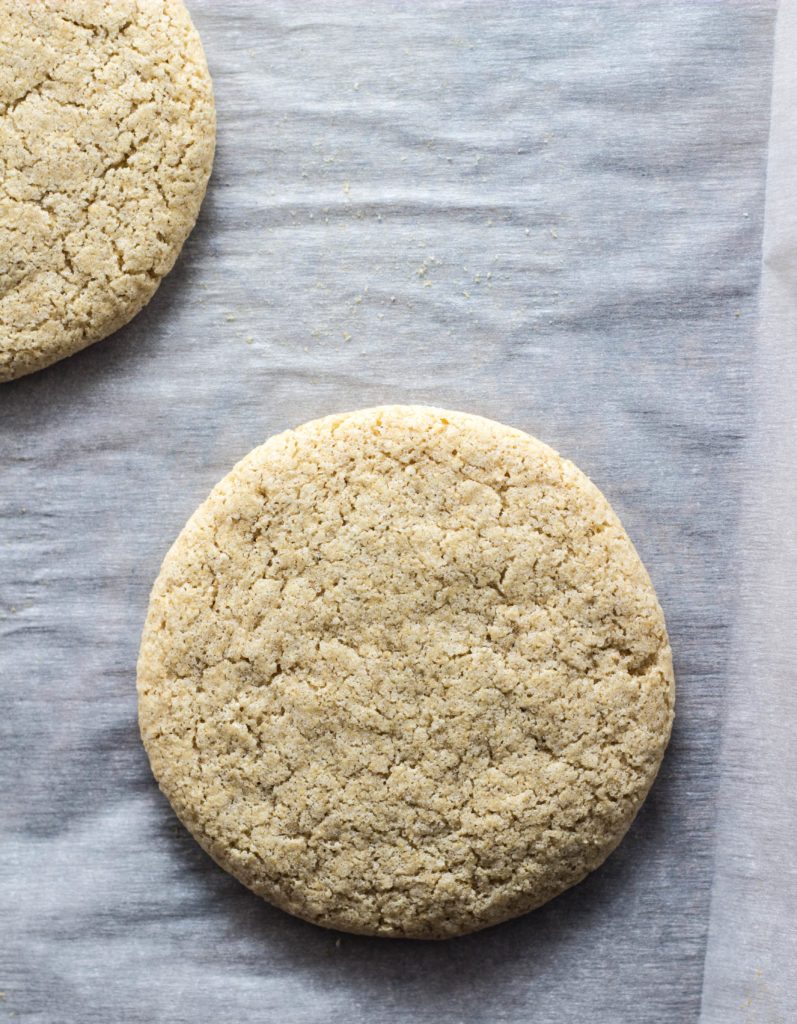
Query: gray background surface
x=549 y=214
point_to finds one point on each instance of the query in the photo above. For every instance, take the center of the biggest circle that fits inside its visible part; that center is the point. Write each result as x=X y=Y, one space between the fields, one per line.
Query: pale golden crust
x=404 y=674
x=107 y=131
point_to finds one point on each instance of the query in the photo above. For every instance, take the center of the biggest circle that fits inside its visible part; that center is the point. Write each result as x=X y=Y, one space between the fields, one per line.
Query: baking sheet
x=549 y=214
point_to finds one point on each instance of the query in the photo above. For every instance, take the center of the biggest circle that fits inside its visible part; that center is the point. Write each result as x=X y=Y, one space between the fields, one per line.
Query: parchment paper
x=750 y=969
x=549 y=214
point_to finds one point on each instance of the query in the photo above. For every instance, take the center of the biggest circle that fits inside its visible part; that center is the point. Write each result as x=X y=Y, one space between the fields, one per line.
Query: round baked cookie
x=404 y=674
x=107 y=131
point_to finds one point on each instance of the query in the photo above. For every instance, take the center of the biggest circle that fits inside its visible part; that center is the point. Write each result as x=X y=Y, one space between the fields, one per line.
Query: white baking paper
x=551 y=214
x=750 y=970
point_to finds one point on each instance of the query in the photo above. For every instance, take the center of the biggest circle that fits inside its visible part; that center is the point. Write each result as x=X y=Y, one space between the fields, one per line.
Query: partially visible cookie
x=107 y=132
x=404 y=674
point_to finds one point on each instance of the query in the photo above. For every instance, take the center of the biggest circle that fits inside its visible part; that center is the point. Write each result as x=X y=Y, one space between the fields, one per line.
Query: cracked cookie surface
x=404 y=674
x=107 y=132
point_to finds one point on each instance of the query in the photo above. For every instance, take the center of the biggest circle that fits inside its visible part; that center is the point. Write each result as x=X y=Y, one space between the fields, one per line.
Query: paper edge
x=750 y=958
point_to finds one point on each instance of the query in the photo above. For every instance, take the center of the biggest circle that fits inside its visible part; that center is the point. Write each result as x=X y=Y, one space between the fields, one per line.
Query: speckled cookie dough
x=107 y=130
x=404 y=674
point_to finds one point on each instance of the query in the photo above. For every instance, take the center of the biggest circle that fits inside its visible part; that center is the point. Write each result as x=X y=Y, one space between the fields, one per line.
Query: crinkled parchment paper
x=551 y=214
